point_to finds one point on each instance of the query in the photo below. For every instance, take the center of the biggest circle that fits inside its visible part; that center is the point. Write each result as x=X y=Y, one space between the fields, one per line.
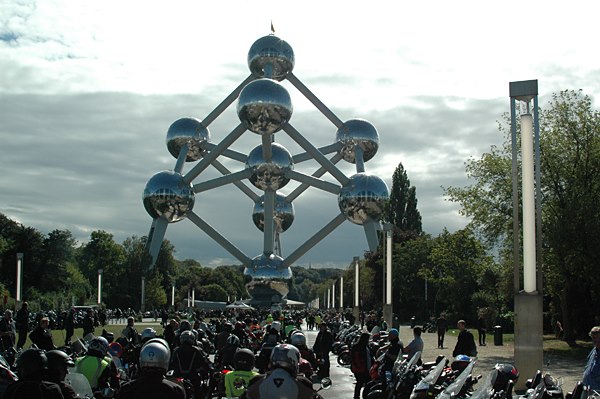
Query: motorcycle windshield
x=453 y=389
x=400 y=366
x=486 y=389
x=435 y=372
x=80 y=385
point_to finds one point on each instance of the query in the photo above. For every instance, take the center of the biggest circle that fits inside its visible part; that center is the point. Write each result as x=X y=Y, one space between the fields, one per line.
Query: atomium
x=264 y=107
x=190 y=132
x=269 y=174
x=167 y=196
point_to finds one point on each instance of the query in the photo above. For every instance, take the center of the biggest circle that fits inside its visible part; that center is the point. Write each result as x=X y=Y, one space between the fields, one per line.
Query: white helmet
x=285 y=356
x=154 y=355
x=187 y=337
x=298 y=339
x=148 y=333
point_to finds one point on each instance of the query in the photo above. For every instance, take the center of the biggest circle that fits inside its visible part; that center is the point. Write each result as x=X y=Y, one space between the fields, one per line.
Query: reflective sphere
x=269 y=175
x=357 y=132
x=264 y=106
x=271 y=52
x=363 y=198
x=283 y=216
x=269 y=278
x=188 y=131
x=167 y=195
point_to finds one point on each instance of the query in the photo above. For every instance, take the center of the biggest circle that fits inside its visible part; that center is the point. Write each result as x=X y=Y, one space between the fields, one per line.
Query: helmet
x=233 y=340
x=110 y=337
x=58 y=361
x=298 y=339
x=148 y=333
x=187 y=337
x=393 y=333
x=99 y=344
x=160 y=341
x=31 y=363
x=201 y=334
x=243 y=359
x=460 y=362
x=154 y=355
x=185 y=325
x=115 y=349
x=239 y=325
x=285 y=356
x=228 y=327
x=276 y=325
x=506 y=372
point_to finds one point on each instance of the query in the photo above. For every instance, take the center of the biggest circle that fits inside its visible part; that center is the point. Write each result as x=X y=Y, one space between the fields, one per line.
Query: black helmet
x=243 y=359
x=506 y=372
x=58 y=361
x=32 y=363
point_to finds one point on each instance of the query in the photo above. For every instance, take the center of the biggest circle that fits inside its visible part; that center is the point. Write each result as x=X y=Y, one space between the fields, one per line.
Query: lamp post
x=388 y=307
x=19 y=280
x=99 y=286
x=173 y=295
x=356 y=309
x=333 y=295
x=529 y=299
x=342 y=293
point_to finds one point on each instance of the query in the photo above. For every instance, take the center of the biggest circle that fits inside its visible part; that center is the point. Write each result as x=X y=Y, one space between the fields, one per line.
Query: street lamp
x=387 y=307
x=99 y=286
x=19 y=282
x=529 y=301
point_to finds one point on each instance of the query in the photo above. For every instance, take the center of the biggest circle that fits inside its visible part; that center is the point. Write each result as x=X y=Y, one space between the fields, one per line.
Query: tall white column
x=342 y=293
x=173 y=295
x=356 y=284
x=143 y=293
x=528 y=187
x=99 y=286
x=388 y=290
x=193 y=297
x=333 y=296
x=19 y=281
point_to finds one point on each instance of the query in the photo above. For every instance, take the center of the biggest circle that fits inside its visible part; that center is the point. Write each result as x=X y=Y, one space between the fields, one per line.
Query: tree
x=156 y=295
x=570 y=185
x=402 y=206
x=59 y=251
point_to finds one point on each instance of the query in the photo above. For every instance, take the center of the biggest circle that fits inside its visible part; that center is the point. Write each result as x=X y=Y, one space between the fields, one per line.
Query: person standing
x=88 y=323
x=321 y=348
x=7 y=331
x=69 y=325
x=591 y=372
x=465 y=344
x=22 y=324
x=361 y=363
x=41 y=335
x=481 y=330
x=442 y=327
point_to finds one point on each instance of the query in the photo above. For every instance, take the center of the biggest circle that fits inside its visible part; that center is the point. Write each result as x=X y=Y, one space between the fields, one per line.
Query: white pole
x=529 y=275
x=333 y=295
x=342 y=293
x=99 y=286
x=173 y=295
x=143 y=293
x=388 y=291
x=193 y=297
x=19 y=277
x=356 y=286
x=328 y=298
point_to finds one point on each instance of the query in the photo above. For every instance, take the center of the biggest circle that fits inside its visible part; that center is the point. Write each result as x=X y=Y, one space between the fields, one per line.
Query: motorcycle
x=462 y=385
x=543 y=386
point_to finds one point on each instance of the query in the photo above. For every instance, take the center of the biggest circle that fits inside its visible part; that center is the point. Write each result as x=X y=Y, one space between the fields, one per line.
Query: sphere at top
x=269 y=277
x=283 y=217
x=357 y=132
x=269 y=174
x=264 y=106
x=167 y=195
x=271 y=57
x=363 y=198
x=188 y=131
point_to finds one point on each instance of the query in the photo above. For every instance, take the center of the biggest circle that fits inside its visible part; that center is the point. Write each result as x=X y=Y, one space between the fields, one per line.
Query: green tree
x=402 y=210
x=155 y=294
x=570 y=186
x=59 y=251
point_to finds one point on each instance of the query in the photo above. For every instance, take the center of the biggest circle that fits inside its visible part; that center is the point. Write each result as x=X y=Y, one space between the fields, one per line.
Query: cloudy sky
x=88 y=90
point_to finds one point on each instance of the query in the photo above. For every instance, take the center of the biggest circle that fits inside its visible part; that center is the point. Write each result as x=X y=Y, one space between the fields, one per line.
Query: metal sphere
x=270 y=52
x=283 y=216
x=363 y=198
x=357 y=132
x=264 y=106
x=269 y=277
x=167 y=195
x=188 y=131
x=269 y=175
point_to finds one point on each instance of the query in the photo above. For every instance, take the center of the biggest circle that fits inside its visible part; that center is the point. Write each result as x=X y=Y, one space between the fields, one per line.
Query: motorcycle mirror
x=326 y=383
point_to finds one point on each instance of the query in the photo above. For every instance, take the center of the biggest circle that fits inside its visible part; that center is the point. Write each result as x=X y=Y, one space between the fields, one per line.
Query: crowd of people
x=248 y=349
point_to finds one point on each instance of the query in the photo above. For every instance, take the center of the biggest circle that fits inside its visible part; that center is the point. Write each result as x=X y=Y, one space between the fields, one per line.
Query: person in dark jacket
x=31 y=365
x=22 y=324
x=321 y=348
x=41 y=335
x=58 y=363
x=361 y=363
x=465 y=344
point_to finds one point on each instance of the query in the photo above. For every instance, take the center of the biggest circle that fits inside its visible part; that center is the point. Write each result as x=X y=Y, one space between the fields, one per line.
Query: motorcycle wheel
x=344 y=359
